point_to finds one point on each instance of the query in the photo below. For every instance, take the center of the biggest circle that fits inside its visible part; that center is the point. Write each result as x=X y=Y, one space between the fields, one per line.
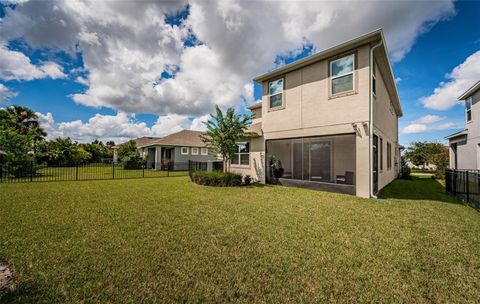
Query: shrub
x=247 y=180
x=216 y=178
x=133 y=160
x=405 y=170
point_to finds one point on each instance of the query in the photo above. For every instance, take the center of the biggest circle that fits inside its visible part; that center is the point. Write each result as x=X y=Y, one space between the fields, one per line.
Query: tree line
x=23 y=139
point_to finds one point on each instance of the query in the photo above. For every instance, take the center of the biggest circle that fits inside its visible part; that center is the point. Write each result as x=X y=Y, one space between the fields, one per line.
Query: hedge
x=216 y=178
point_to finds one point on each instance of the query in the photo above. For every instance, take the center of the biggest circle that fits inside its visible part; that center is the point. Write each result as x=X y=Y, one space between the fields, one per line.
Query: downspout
x=370 y=121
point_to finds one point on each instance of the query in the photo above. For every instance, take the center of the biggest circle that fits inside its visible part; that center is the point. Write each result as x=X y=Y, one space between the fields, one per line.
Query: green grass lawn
x=168 y=240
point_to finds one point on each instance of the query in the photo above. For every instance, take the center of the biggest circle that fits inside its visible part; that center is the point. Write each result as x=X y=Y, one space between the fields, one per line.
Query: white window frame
x=468 y=100
x=389 y=156
x=270 y=95
x=194 y=151
x=238 y=154
x=342 y=75
x=204 y=151
x=184 y=150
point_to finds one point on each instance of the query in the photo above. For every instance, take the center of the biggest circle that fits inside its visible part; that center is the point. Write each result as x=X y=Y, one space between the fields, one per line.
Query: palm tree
x=24 y=121
x=223 y=132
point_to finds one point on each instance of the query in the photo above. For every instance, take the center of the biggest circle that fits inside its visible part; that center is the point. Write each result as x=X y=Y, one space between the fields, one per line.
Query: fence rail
x=30 y=171
x=465 y=185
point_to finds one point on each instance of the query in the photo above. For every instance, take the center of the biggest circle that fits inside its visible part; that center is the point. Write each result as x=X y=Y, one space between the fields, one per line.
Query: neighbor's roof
x=457 y=134
x=371 y=37
x=255 y=128
x=187 y=138
x=141 y=141
x=255 y=106
x=470 y=91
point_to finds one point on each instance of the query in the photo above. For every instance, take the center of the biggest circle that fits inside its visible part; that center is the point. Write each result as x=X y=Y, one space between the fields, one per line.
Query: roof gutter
x=370 y=121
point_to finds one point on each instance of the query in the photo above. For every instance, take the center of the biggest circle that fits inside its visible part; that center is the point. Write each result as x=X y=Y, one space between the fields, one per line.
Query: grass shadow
x=417 y=189
x=30 y=292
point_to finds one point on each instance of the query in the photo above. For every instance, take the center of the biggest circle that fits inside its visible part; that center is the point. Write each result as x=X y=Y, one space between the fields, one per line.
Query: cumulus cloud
x=119 y=128
x=427 y=119
x=126 y=45
x=414 y=128
x=6 y=93
x=427 y=123
x=445 y=126
x=16 y=66
x=458 y=81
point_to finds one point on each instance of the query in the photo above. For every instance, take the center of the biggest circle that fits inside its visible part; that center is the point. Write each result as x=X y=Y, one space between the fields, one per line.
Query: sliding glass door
x=313 y=159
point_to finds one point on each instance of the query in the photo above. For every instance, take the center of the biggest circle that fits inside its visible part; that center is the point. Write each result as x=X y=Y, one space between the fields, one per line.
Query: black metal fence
x=31 y=171
x=204 y=166
x=465 y=185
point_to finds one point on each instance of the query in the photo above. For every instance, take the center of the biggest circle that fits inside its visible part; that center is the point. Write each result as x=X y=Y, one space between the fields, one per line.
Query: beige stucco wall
x=307 y=100
x=256 y=166
x=385 y=124
x=310 y=110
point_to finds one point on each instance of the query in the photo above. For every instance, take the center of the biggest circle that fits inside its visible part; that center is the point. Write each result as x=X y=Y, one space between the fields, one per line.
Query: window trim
x=353 y=73
x=194 y=149
x=238 y=154
x=389 y=156
x=182 y=151
x=282 y=106
x=380 y=143
x=203 y=151
x=468 y=111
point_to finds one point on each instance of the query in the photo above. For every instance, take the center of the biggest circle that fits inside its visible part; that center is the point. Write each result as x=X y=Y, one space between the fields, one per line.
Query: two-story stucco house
x=328 y=121
x=464 y=146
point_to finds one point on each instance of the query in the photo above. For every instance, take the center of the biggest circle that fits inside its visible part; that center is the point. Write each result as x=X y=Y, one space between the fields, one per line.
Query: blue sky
x=82 y=82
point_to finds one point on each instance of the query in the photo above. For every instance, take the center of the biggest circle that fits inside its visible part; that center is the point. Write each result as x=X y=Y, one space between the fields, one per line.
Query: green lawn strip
x=164 y=240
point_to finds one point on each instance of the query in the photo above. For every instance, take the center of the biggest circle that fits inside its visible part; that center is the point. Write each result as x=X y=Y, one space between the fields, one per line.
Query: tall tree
x=23 y=120
x=224 y=130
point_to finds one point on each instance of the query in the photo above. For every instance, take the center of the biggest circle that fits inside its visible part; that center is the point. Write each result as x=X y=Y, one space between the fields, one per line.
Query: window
x=341 y=74
x=374 y=79
x=275 y=92
x=194 y=151
x=381 y=154
x=389 y=156
x=468 y=108
x=184 y=151
x=204 y=151
x=243 y=155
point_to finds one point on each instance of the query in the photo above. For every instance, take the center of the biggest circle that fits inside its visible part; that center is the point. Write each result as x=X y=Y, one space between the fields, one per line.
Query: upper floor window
x=243 y=155
x=184 y=151
x=275 y=92
x=374 y=78
x=341 y=74
x=194 y=151
x=468 y=108
x=204 y=151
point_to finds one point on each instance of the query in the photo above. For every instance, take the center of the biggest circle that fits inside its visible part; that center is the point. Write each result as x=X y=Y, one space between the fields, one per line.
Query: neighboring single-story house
x=328 y=121
x=173 y=151
x=464 y=146
x=141 y=141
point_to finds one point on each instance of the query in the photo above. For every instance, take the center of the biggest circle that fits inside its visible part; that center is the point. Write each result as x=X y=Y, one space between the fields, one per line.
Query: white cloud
x=16 y=66
x=414 y=128
x=445 y=126
x=458 y=81
x=6 y=93
x=126 y=45
x=428 y=119
x=427 y=123
x=119 y=128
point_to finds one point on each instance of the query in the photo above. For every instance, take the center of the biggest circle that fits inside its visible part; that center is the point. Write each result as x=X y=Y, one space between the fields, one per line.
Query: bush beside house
x=216 y=178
